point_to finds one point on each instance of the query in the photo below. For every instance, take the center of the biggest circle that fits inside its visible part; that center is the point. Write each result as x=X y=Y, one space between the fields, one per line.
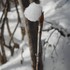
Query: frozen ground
x=59 y=11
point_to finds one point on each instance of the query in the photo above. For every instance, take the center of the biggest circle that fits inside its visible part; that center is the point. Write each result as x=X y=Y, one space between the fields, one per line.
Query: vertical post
x=31 y=29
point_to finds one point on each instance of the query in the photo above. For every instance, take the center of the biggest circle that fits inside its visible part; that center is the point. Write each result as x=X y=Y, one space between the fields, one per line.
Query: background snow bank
x=60 y=62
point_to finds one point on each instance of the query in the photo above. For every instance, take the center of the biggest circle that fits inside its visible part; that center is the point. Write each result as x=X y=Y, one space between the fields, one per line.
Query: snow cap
x=33 y=12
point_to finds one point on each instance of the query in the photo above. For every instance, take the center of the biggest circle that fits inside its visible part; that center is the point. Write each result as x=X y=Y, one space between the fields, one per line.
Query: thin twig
x=55 y=46
x=49 y=37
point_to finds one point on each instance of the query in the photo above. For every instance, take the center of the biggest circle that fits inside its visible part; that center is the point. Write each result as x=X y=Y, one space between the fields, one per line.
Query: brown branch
x=7 y=23
x=19 y=20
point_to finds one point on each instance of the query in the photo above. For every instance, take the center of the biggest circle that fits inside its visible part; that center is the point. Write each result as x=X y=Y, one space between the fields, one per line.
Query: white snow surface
x=33 y=12
x=54 y=10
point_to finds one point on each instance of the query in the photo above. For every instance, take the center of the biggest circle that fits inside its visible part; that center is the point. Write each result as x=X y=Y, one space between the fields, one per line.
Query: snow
x=17 y=59
x=54 y=10
x=33 y=12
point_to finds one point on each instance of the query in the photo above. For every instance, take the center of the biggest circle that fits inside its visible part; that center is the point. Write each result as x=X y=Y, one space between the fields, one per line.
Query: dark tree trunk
x=32 y=35
x=2 y=52
x=32 y=31
x=40 y=62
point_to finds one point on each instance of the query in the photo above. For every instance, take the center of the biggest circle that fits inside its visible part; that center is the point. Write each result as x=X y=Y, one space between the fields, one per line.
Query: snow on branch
x=33 y=12
x=61 y=3
x=59 y=28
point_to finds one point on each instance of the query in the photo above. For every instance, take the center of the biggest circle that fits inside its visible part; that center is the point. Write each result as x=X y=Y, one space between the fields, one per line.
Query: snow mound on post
x=33 y=12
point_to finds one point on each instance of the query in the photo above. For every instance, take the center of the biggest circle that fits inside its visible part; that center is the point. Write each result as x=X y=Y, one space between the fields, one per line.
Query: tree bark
x=3 y=58
x=33 y=36
x=32 y=32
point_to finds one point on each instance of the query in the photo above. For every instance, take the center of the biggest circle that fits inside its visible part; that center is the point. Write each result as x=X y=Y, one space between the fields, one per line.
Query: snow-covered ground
x=54 y=10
